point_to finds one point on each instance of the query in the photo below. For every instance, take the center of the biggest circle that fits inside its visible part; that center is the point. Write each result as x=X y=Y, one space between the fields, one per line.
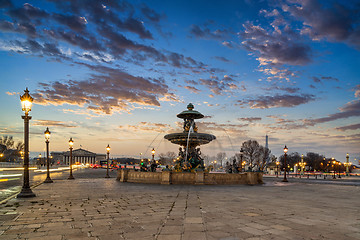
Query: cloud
x=351 y=109
x=228 y=44
x=27 y=12
x=206 y=33
x=147 y=127
x=221 y=127
x=192 y=89
x=12 y=93
x=219 y=87
x=273 y=48
x=150 y=14
x=101 y=12
x=335 y=21
x=5 y=4
x=75 y=23
x=34 y=48
x=357 y=91
x=349 y=127
x=250 y=119
x=223 y=59
x=276 y=101
x=110 y=90
x=319 y=80
x=53 y=123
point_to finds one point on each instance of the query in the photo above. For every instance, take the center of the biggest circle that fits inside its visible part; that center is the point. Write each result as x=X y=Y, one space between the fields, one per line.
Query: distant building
x=81 y=156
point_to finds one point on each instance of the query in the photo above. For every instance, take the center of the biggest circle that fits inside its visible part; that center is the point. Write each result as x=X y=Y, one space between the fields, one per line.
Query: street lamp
x=47 y=137
x=285 y=165
x=334 y=163
x=153 y=155
x=277 y=168
x=302 y=165
x=347 y=164
x=339 y=163
x=241 y=158
x=71 y=143
x=26 y=102
x=107 y=161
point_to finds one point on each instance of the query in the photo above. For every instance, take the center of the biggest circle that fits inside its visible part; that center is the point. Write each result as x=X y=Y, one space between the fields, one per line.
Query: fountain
x=189 y=155
x=190 y=166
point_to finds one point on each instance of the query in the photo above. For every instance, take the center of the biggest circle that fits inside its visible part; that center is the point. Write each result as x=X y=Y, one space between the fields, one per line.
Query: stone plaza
x=100 y=208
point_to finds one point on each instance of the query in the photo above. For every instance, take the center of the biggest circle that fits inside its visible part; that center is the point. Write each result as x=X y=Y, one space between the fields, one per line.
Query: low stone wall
x=196 y=178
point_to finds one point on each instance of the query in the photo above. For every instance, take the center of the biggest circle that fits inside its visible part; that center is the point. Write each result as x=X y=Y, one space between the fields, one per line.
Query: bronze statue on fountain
x=189 y=140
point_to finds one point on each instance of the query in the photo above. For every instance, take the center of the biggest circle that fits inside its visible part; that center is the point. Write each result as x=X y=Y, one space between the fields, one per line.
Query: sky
x=118 y=72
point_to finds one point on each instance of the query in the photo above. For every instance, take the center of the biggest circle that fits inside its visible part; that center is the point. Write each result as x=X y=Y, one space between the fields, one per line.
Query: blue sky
x=118 y=72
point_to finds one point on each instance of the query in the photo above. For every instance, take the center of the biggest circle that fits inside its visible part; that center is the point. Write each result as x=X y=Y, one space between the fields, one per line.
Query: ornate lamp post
x=334 y=164
x=71 y=143
x=153 y=155
x=285 y=165
x=26 y=102
x=47 y=137
x=241 y=158
x=277 y=168
x=347 y=164
x=302 y=165
x=107 y=160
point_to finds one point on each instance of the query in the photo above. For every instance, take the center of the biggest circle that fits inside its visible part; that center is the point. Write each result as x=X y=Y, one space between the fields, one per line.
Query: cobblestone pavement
x=99 y=208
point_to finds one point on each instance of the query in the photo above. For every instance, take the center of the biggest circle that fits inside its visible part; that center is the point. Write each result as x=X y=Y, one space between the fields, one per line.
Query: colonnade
x=80 y=159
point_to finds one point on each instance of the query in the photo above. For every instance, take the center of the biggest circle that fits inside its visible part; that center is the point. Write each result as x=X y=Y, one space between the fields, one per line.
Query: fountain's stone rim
x=194 y=138
x=190 y=114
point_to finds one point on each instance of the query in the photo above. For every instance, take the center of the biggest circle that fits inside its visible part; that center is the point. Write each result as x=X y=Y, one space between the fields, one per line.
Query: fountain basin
x=195 y=139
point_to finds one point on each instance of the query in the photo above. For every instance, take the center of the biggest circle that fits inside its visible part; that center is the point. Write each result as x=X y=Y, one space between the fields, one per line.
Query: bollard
x=308 y=176
x=315 y=176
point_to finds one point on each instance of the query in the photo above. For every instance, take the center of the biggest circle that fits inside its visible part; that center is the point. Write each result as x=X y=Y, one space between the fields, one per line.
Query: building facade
x=80 y=156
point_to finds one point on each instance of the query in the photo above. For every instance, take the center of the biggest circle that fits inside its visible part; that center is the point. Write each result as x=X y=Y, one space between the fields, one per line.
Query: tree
x=314 y=160
x=264 y=155
x=9 y=150
x=291 y=159
x=252 y=152
x=220 y=157
x=167 y=158
x=9 y=142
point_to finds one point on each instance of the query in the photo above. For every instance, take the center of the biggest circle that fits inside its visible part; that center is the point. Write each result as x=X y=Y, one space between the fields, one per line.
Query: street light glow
x=26 y=101
x=108 y=148
x=47 y=134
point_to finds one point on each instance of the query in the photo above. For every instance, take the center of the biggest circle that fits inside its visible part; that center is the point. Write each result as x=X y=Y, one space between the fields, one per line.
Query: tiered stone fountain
x=189 y=155
x=190 y=165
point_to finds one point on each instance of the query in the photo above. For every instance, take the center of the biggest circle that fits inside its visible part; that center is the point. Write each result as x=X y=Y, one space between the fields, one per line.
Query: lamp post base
x=48 y=180
x=284 y=180
x=71 y=177
x=26 y=193
x=107 y=176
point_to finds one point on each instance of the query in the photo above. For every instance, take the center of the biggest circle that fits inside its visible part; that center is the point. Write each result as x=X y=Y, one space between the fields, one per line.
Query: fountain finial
x=190 y=106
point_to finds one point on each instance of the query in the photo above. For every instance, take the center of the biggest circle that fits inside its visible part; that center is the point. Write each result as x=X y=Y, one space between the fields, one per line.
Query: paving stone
x=193 y=220
x=172 y=229
x=169 y=237
x=147 y=211
x=253 y=231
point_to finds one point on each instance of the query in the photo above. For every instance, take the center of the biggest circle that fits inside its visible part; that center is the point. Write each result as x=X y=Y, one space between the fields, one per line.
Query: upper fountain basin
x=195 y=139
